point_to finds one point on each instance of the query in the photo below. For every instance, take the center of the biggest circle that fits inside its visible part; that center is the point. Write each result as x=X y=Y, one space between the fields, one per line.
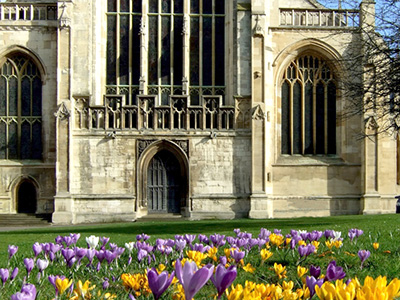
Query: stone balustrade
x=27 y=11
x=319 y=18
x=149 y=115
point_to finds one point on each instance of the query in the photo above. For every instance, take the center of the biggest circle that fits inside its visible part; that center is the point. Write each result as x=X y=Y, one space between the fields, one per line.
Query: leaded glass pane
x=124 y=50
x=153 y=53
x=111 y=49
x=178 y=44
x=207 y=51
x=219 y=51
x=194 y=51
x=285 y=122
x=124 y=5
x=297 y=118
x=194 y=6
x=165 y=51
x=25 y=140
x=308 y=119
x=320 y=118
x=112 y=5
x=153 y=6
x=331 y=118
x=219 y=6
x=13 y=141
x=207 y=6
x=178 y=6
x=3 y=140
x=13 y=96
x=136 y=51
x=166 y=6
x=137 y=6
x=3 y=96
x=25 y=96
x=37 y=97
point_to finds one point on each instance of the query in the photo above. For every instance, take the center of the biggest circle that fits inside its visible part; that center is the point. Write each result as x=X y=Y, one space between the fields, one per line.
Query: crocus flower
x=158 y=283
x=4 y=274
x=223 y=278
x=12 y=250
x=62 y=284
x=28 y=292
x=311 y=282
x=315 y=271
x=14 y=273
x=237 y=255
x=92 y=241
x=191 y=278
x=363 y=255
x=334 y=272
x=29 y=263
x=42 y=264
x=37 y=248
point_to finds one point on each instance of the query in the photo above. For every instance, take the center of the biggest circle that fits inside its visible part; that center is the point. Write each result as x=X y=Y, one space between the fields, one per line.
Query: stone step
x=25 y=220
x=161 y=217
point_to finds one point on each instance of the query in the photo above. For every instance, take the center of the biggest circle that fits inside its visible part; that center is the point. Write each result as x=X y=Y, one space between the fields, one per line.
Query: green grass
x=384 y=229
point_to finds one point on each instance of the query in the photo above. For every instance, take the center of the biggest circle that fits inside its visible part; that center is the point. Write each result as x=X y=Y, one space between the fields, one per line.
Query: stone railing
x=149 y=115
x=27 y=11
x=319 y=18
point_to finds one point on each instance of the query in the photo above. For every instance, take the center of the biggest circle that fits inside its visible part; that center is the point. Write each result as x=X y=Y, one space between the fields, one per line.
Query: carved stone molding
x=142 y=28
x=258 y=30
x=62 y=112
x=142 y=145
x=258 y=113
x=371 y=124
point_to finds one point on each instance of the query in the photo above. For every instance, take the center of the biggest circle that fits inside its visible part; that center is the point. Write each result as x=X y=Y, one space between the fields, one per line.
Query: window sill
x=311 y=160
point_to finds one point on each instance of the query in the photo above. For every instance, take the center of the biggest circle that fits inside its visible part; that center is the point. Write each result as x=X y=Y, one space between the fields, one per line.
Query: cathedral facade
x=115 y=110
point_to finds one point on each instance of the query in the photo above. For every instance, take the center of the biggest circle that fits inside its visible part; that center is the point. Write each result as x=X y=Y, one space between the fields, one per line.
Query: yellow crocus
x=280 y=270
x=265 y=254
x=160 y=268
x=316 y=244
x=196 y=256
x=376 y=246
x=326 y=292
x=302 y=243
x=301 y=271
x=236 y=292
x=62 y=285
x=249 y=268
x=287 y=285
x=82 y=291
x=276 y=239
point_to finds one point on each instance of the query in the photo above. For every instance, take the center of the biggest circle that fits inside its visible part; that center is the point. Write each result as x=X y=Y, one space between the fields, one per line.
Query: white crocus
x=92 y=241
x=130 y=246
x=337 y=235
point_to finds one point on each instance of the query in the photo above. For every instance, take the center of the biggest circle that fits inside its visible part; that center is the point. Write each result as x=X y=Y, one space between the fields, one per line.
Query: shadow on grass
x=205 y=226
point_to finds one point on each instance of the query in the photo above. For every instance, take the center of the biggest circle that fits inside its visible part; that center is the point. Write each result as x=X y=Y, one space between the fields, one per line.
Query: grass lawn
x=384 y=229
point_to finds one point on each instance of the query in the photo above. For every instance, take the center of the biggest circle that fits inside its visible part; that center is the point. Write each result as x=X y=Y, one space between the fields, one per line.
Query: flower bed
x=271 y=265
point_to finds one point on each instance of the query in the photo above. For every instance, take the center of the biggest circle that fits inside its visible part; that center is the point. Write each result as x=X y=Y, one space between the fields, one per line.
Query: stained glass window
x=308 y=108
x=20 y=109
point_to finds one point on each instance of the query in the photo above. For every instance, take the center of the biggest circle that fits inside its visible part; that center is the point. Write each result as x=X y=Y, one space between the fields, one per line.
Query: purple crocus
x=191 y=278
x=4 y=274
x=12 y=250
x=29 y=263
x=311 y=282
x=334 y=272
x=14 y=273
x=223 y=278
x=28 y=292
x=217 y=240
x=363 y=255
x=141 y=254
x=37 y=248
x=42 y=264
x=315 y=271
x=237 y=255
x=158 y=283
x=189 y=238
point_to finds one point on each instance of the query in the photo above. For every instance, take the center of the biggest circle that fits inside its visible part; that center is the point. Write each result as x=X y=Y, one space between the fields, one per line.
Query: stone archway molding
x=146 y=149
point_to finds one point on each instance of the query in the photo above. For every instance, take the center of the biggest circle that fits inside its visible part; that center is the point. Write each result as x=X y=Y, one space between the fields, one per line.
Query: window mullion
x=213 y=46
x=325 y=118
x=159 y=49
x=117 y=46
x=303 y=117
x=314 y=122
x=172 y=47
x=19 y=115
x=201 y=48
x=130 y=58
x=291 y=133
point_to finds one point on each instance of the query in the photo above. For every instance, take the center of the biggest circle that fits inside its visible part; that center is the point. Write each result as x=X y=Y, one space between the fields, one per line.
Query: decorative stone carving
x=64 y=21
x=258 y=30
x=185 y=29
x=62 y=112
x=142 y=28
x=183 y=144
x=371 y=124
x=143 y=145
x=258 y=113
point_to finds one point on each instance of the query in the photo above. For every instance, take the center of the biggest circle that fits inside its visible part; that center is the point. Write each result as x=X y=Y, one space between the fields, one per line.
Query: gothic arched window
x=20 y=109
x=184 y=45
x=308 y=108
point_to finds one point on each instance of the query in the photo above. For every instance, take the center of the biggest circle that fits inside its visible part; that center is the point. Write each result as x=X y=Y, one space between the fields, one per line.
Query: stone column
x=63 y=204
x=260 y=204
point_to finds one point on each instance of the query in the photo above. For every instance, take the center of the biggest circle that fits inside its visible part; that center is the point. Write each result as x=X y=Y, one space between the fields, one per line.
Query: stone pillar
x=260 y=205
x=63 y=204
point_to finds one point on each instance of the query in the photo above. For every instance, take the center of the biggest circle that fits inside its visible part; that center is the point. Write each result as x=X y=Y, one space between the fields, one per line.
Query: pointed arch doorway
x=164 y=184
x=26 y=197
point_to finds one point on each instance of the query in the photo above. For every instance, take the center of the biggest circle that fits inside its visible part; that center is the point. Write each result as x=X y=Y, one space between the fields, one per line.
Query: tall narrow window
x=207 y=48
x=165 y=51
x=123 y=48
x=308 y=94
x=20 y=109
